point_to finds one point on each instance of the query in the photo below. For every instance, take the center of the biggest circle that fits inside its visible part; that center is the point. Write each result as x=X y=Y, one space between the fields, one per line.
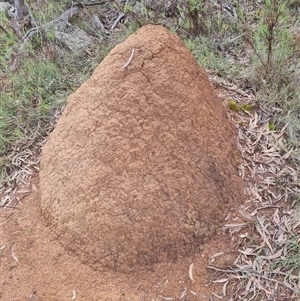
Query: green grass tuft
x=233 y=106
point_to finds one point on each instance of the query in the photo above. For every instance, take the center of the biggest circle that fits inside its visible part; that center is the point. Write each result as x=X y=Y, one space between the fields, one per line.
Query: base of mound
x=35 y=267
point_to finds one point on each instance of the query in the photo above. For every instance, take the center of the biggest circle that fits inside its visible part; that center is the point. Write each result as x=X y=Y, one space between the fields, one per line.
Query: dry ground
x=36 y=267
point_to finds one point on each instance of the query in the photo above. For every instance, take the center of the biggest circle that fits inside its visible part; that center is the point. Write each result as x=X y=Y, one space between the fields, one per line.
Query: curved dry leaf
x=191 y=272
x=224 y=287
x=183 y=294
x=220 y=280
x=13 y=254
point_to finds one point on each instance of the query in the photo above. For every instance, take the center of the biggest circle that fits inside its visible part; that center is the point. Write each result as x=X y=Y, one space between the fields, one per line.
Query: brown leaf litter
x=272 y=185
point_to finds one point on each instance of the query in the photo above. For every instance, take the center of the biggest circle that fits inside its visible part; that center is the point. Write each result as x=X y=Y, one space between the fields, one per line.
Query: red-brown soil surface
x=45 y=272
x=135 y=183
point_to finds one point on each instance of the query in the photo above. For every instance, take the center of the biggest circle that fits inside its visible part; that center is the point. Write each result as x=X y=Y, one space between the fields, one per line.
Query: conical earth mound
x=139 y=169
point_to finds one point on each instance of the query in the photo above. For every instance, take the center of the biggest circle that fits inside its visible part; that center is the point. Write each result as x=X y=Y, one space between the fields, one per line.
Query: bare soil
x=46 y=272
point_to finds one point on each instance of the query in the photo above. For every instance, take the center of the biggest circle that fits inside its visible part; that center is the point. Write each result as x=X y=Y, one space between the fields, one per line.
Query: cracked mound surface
x=140 y=167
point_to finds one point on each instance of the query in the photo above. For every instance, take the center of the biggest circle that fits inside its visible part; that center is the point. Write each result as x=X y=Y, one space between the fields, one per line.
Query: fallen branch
x=117 y=21
x=64 y=17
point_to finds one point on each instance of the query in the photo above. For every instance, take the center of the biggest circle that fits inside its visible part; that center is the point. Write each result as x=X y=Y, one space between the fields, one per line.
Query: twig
x=117 y=21
x=86 y=3
x=30 y=33
x=129 y=60
x=63 y=17
x=222 y=270
x=267 y=206
x=21 y=46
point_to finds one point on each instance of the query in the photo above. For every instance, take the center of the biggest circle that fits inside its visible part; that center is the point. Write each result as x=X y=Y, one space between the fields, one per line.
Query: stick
x=129 y=60
x=25 y=39
x=117 y=21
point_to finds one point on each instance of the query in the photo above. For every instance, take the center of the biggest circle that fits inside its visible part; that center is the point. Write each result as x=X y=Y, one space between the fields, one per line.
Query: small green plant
x=274 y=68
x=247 y=108
x=270 y=39
x=141 y=13
x=233 y=106
x=271 y=126
x=192 y=16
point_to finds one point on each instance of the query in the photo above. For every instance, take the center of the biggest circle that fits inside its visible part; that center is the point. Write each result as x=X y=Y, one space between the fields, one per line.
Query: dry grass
x=25 y=159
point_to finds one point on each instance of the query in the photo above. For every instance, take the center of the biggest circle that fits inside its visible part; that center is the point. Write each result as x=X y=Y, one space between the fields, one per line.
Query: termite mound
x=138 y=170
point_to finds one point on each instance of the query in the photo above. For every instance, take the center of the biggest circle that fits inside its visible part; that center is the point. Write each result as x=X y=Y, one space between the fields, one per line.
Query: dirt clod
x=139 y=169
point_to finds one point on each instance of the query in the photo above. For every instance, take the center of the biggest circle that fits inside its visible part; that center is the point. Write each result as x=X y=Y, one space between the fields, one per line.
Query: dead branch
x=64 y=17
x=117 y=21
